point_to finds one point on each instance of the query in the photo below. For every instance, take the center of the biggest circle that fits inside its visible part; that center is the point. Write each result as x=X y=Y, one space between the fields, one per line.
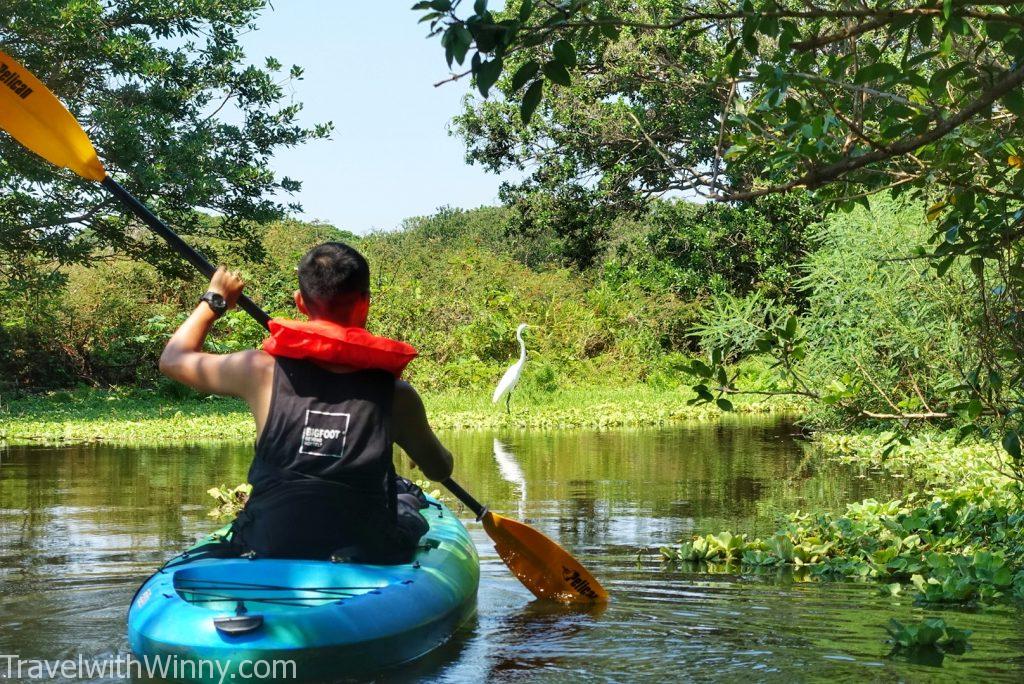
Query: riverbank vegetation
x=141 y=416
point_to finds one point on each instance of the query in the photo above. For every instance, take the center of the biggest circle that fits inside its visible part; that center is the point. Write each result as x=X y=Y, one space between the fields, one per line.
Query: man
x=326 y=418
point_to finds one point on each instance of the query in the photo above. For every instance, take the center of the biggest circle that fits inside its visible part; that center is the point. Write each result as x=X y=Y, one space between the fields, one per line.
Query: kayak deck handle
x=237 y=625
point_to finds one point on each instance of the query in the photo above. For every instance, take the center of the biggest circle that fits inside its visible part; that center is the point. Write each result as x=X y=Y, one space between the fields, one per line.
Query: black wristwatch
x=216 y=302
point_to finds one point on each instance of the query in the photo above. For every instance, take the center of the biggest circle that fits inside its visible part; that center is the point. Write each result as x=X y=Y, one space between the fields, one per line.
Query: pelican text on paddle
x=12 y=79
x=150 y=667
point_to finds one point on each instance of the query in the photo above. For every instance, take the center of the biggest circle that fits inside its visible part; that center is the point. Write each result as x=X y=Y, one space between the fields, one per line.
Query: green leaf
x=524 y=74
x=1011 y=443
x=724 y=404
x=700 y=369
x=930 y=631
x=873 y=72
x=789 y=332
x=750 y=42
x=531 y=99
x=703 y=392
x=564 y=53
x=944 y=265
x=1014 y=101
x=974 y=409
x=737 y=61
x=786 y=38
x=525 y=10
x=487 y=75
x=557 y=73
x=997 y=30
x=456 y=41
x=441 y=5
x=610 y=31
x=480 y=6
x=925 y=29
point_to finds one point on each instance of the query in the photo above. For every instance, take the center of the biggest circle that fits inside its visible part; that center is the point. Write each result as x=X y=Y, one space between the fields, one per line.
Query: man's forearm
x=188 y=338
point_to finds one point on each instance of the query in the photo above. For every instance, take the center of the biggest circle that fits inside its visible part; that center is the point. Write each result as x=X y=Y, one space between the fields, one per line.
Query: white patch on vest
x=324 y=434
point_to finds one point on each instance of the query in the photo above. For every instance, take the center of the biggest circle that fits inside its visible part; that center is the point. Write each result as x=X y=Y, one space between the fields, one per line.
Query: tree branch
x=817 y=177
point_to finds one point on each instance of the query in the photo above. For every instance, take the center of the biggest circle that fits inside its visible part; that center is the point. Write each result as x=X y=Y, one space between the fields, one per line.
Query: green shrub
x=878 y=320
x=448 y=284
x=697 y=250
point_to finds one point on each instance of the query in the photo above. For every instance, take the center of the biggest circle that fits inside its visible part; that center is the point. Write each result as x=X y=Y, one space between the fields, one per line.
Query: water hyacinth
x=961 y=547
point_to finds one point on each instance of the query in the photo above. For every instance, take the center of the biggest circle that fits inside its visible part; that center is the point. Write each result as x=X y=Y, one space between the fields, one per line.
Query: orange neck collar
x=322 y=340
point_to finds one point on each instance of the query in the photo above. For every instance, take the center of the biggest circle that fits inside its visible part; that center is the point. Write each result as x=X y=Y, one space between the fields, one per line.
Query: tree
x=844 y=99
x=592 y=157
x=175 y=111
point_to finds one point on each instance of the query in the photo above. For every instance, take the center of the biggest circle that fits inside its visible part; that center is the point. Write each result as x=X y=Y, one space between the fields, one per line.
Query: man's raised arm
x=236 y=375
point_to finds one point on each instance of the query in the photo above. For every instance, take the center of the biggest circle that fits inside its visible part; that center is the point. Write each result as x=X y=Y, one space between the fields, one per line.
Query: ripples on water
x=80 y=528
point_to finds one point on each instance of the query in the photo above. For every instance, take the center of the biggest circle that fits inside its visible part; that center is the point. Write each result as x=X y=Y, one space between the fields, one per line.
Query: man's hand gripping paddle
x=37 y=119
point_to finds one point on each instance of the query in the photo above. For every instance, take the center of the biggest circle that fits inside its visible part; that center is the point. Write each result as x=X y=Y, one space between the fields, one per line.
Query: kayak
x=328 y=618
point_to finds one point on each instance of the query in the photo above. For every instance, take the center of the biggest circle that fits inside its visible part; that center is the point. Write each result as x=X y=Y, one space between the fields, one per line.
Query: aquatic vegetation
x=931 y=634
x=230 y=501
x=958 y=547
x=935 y=459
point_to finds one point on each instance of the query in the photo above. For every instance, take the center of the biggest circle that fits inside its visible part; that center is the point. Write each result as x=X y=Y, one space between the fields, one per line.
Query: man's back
x=335 y=426
x=324 y=427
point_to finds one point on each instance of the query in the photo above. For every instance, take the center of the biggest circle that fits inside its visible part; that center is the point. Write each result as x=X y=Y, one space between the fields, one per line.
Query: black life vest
x=322 y=476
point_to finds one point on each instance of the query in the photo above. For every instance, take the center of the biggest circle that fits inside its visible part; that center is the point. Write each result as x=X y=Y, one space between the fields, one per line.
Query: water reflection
x=81 y=527
x=511 y=472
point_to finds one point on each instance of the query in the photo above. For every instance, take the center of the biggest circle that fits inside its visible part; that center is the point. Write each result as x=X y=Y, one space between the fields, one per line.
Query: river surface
x=82 y=527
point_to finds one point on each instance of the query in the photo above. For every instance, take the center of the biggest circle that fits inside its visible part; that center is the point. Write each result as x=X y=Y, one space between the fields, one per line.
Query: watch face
x=216 y=302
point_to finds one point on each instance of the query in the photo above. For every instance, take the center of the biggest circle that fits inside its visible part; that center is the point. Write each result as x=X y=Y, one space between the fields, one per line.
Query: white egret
x=511 y=377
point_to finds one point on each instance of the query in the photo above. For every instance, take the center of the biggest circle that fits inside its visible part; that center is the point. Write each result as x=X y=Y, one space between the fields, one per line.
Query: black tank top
x=333 y=426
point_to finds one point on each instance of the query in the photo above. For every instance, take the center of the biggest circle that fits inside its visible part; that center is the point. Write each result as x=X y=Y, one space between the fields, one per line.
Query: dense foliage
x=845 y=99
x=454 y=284
x=176 y=112
x=960 y=542
x=108 y=326
x=698 y=251
x=848 y=97
x=960 y=547
x=880 y=334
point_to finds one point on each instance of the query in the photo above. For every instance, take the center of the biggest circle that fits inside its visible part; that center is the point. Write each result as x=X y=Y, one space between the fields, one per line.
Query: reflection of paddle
x=38 y=120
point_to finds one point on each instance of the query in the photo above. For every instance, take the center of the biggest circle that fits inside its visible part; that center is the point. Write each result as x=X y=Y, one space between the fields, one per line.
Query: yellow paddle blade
x=37 y=119
x=544 y=567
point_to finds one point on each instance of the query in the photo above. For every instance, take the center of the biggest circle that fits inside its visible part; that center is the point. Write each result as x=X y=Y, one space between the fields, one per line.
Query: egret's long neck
x=522 y=346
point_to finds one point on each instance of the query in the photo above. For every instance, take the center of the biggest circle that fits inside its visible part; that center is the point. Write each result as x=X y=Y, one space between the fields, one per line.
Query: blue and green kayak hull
x=329 y=619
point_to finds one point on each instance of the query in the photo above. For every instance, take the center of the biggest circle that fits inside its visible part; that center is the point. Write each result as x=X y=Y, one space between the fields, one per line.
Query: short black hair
x=331 y=276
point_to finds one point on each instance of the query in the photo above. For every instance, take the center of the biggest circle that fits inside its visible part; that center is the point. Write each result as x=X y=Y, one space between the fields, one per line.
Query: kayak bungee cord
x=38 y=120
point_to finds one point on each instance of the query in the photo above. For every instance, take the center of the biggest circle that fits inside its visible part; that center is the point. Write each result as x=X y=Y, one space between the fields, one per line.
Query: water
x=81 y=528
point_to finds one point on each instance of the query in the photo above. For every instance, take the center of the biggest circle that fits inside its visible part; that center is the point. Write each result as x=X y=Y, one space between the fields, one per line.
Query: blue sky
x=370 y=70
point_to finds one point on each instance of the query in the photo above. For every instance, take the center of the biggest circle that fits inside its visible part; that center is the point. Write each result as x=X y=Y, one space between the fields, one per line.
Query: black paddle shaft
x=465 y=497
x=246 y=304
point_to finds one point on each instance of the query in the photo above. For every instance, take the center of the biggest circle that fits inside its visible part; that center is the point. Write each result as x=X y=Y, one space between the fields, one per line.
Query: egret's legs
x=508 y=403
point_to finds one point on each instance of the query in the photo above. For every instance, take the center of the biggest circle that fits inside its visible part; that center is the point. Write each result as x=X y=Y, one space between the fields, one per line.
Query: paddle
x=37 y=119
